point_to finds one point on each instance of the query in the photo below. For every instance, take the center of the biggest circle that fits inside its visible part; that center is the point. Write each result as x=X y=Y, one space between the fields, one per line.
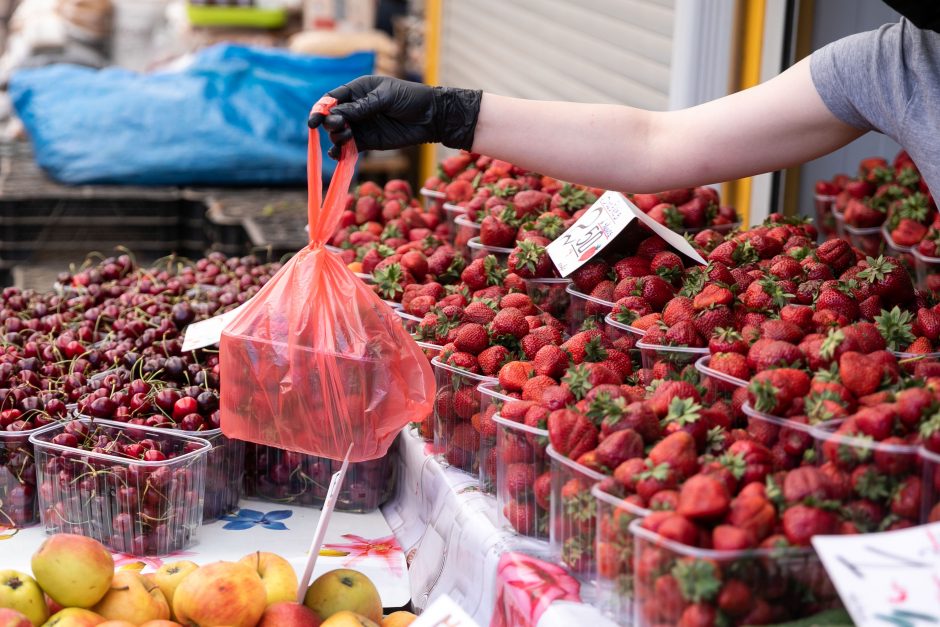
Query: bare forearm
x=778 y=124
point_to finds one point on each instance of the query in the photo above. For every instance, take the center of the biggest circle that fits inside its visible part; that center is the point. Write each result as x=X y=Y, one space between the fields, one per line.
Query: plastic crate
x=451 y=213
x=622 y=335
x=572 y=517
x=796 y=438
x=614 y=548
x=225 y=470
x=904 y=254
x=718 y=385
x=491 y=403
x=455 y=404
x=927 y=270
x=791 y=581
x=824 y=217
x=432 y=198
x=18 y=505
x=659 y=359
x=303 y=480
x=522 y=505
x=931 y=485
x=129 y=505
x=549 y=295
x=478 y=250
x=878 y=467
x=408 y=321
x=586 y=311
x=867 y=240
x=465 y=230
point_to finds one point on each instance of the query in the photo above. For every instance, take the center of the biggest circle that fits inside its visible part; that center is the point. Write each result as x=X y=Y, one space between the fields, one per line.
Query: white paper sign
x=599 y=226
x=444 y=613
x=208 y=332
x=889 y=578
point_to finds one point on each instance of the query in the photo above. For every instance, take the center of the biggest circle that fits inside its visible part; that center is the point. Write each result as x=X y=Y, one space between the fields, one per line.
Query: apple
x=116 y=623
x=169 y=576
x=345 y=618
x=289 y=614
x=74 y=617
x=222 y=593
x=73 y=570
x=277 y=575
x=160 y=623
x=133 y=599
x=344 y=589
x=12 y=618
x=20 y=592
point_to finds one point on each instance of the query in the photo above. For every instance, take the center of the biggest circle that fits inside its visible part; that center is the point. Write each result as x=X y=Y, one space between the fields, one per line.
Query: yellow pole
x=750 y=57
x=432 y=55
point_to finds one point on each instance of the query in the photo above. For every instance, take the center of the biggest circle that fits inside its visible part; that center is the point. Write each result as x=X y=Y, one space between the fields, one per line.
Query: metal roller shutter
x=605 y=51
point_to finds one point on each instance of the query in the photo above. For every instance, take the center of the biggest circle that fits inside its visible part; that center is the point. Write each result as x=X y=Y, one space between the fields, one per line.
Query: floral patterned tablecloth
x=361 y=541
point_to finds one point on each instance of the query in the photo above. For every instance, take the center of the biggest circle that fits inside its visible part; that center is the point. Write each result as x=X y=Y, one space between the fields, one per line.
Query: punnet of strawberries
x=688 y=210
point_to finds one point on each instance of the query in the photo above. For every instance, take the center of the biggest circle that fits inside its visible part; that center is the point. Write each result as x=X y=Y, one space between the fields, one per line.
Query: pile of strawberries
x=688 y=210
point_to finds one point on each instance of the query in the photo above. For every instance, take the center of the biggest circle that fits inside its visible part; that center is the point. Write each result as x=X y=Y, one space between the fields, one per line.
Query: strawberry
x=585 y=346
x=765 y=354
x=471 y=338
x=781 y=330
x=730 y=538
x=514 y=374
x=764 y=294
x=530 y=201
x=754 y=514
x=663 y=395
x=683 y=334
x=803 y=483
x=522 y=516
x=703 y=498
x=551 y=361
x=716 y=317
x=928 y=324
x=677 y=310
x=509 y=322
x=726 y=340
x=802 y=522
x=773 y=391
x=735 y=598
x=571 y=433
x=837 y=254
x=906 y=500
x=454 y=165
x=587 y=277
x=908 y=232
x=518 y=479
x=632 y=267
x=731 y=364
x=483 y=272
x=888 y=279
x=712 y=295
x=534 y=388
x=529 y=260
x=655 y=290
x=556 y=397
x=876 y=422
x=464 y=361
x=618 y=447
x=667 y=265
x=492 y=359
x=677 y=451
x=543 y=489
x=859 y=373
x=583 y=377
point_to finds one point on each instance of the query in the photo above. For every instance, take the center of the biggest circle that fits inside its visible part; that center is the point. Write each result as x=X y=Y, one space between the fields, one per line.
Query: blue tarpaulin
x=236 y=115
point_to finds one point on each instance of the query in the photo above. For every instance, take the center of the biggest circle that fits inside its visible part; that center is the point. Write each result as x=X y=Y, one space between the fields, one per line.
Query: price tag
x=599 y=226
x=208 y=332
x=444 y=613
x=889 y=578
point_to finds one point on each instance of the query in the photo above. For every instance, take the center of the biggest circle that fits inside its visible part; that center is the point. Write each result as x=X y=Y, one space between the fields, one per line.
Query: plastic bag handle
x=323 y=215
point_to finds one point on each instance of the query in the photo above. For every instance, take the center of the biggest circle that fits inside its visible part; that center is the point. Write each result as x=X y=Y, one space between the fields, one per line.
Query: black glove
x=382 y=113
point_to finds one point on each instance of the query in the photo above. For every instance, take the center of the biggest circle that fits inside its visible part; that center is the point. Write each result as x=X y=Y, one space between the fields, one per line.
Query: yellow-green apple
x=169 y=576
x=345 y=618
x=12 y=618
x=289 y=614
x=344 y=589
x=20 y=592
x=222 y=593
x=73 y=570
x=277 y=575
x=133 y=598
x=74 y=617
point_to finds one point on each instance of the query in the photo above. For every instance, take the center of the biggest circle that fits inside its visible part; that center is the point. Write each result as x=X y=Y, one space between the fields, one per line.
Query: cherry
x=183 y=406
x=166 y=399
x=192 y=422
x=65 y=439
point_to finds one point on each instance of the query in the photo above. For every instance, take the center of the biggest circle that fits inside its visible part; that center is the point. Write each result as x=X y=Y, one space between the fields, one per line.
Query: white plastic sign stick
x=889 y=578
x=444 y=612
x=328 y=505
x=607 y=217
x=208 y=332
x=599 y=226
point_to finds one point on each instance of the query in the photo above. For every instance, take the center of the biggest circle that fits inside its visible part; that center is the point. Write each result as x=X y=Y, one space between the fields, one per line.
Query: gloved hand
x=382 y=113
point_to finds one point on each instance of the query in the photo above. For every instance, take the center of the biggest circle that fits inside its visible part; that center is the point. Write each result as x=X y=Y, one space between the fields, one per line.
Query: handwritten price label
x=890 y=578
x=599 y=226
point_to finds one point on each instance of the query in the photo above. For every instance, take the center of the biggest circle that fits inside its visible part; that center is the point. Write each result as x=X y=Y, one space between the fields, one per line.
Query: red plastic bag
x=316 y=361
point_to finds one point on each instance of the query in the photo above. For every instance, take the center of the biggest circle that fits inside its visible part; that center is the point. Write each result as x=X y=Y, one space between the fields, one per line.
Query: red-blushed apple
x=345 y=618
x=116 y=623
x=169 y=576
x=277 y=575
x=160 y=623
x=20 y=592
x=344 y=589
x=74 y=617
x=399 y=619
x=133 y=598
x=222 y=593
x=52 y=605
x=73 y=570
x=12 y=618
x=289 y=614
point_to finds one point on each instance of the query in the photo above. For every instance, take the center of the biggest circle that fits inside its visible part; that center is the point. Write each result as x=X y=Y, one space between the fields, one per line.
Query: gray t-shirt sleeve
x=863 y=79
